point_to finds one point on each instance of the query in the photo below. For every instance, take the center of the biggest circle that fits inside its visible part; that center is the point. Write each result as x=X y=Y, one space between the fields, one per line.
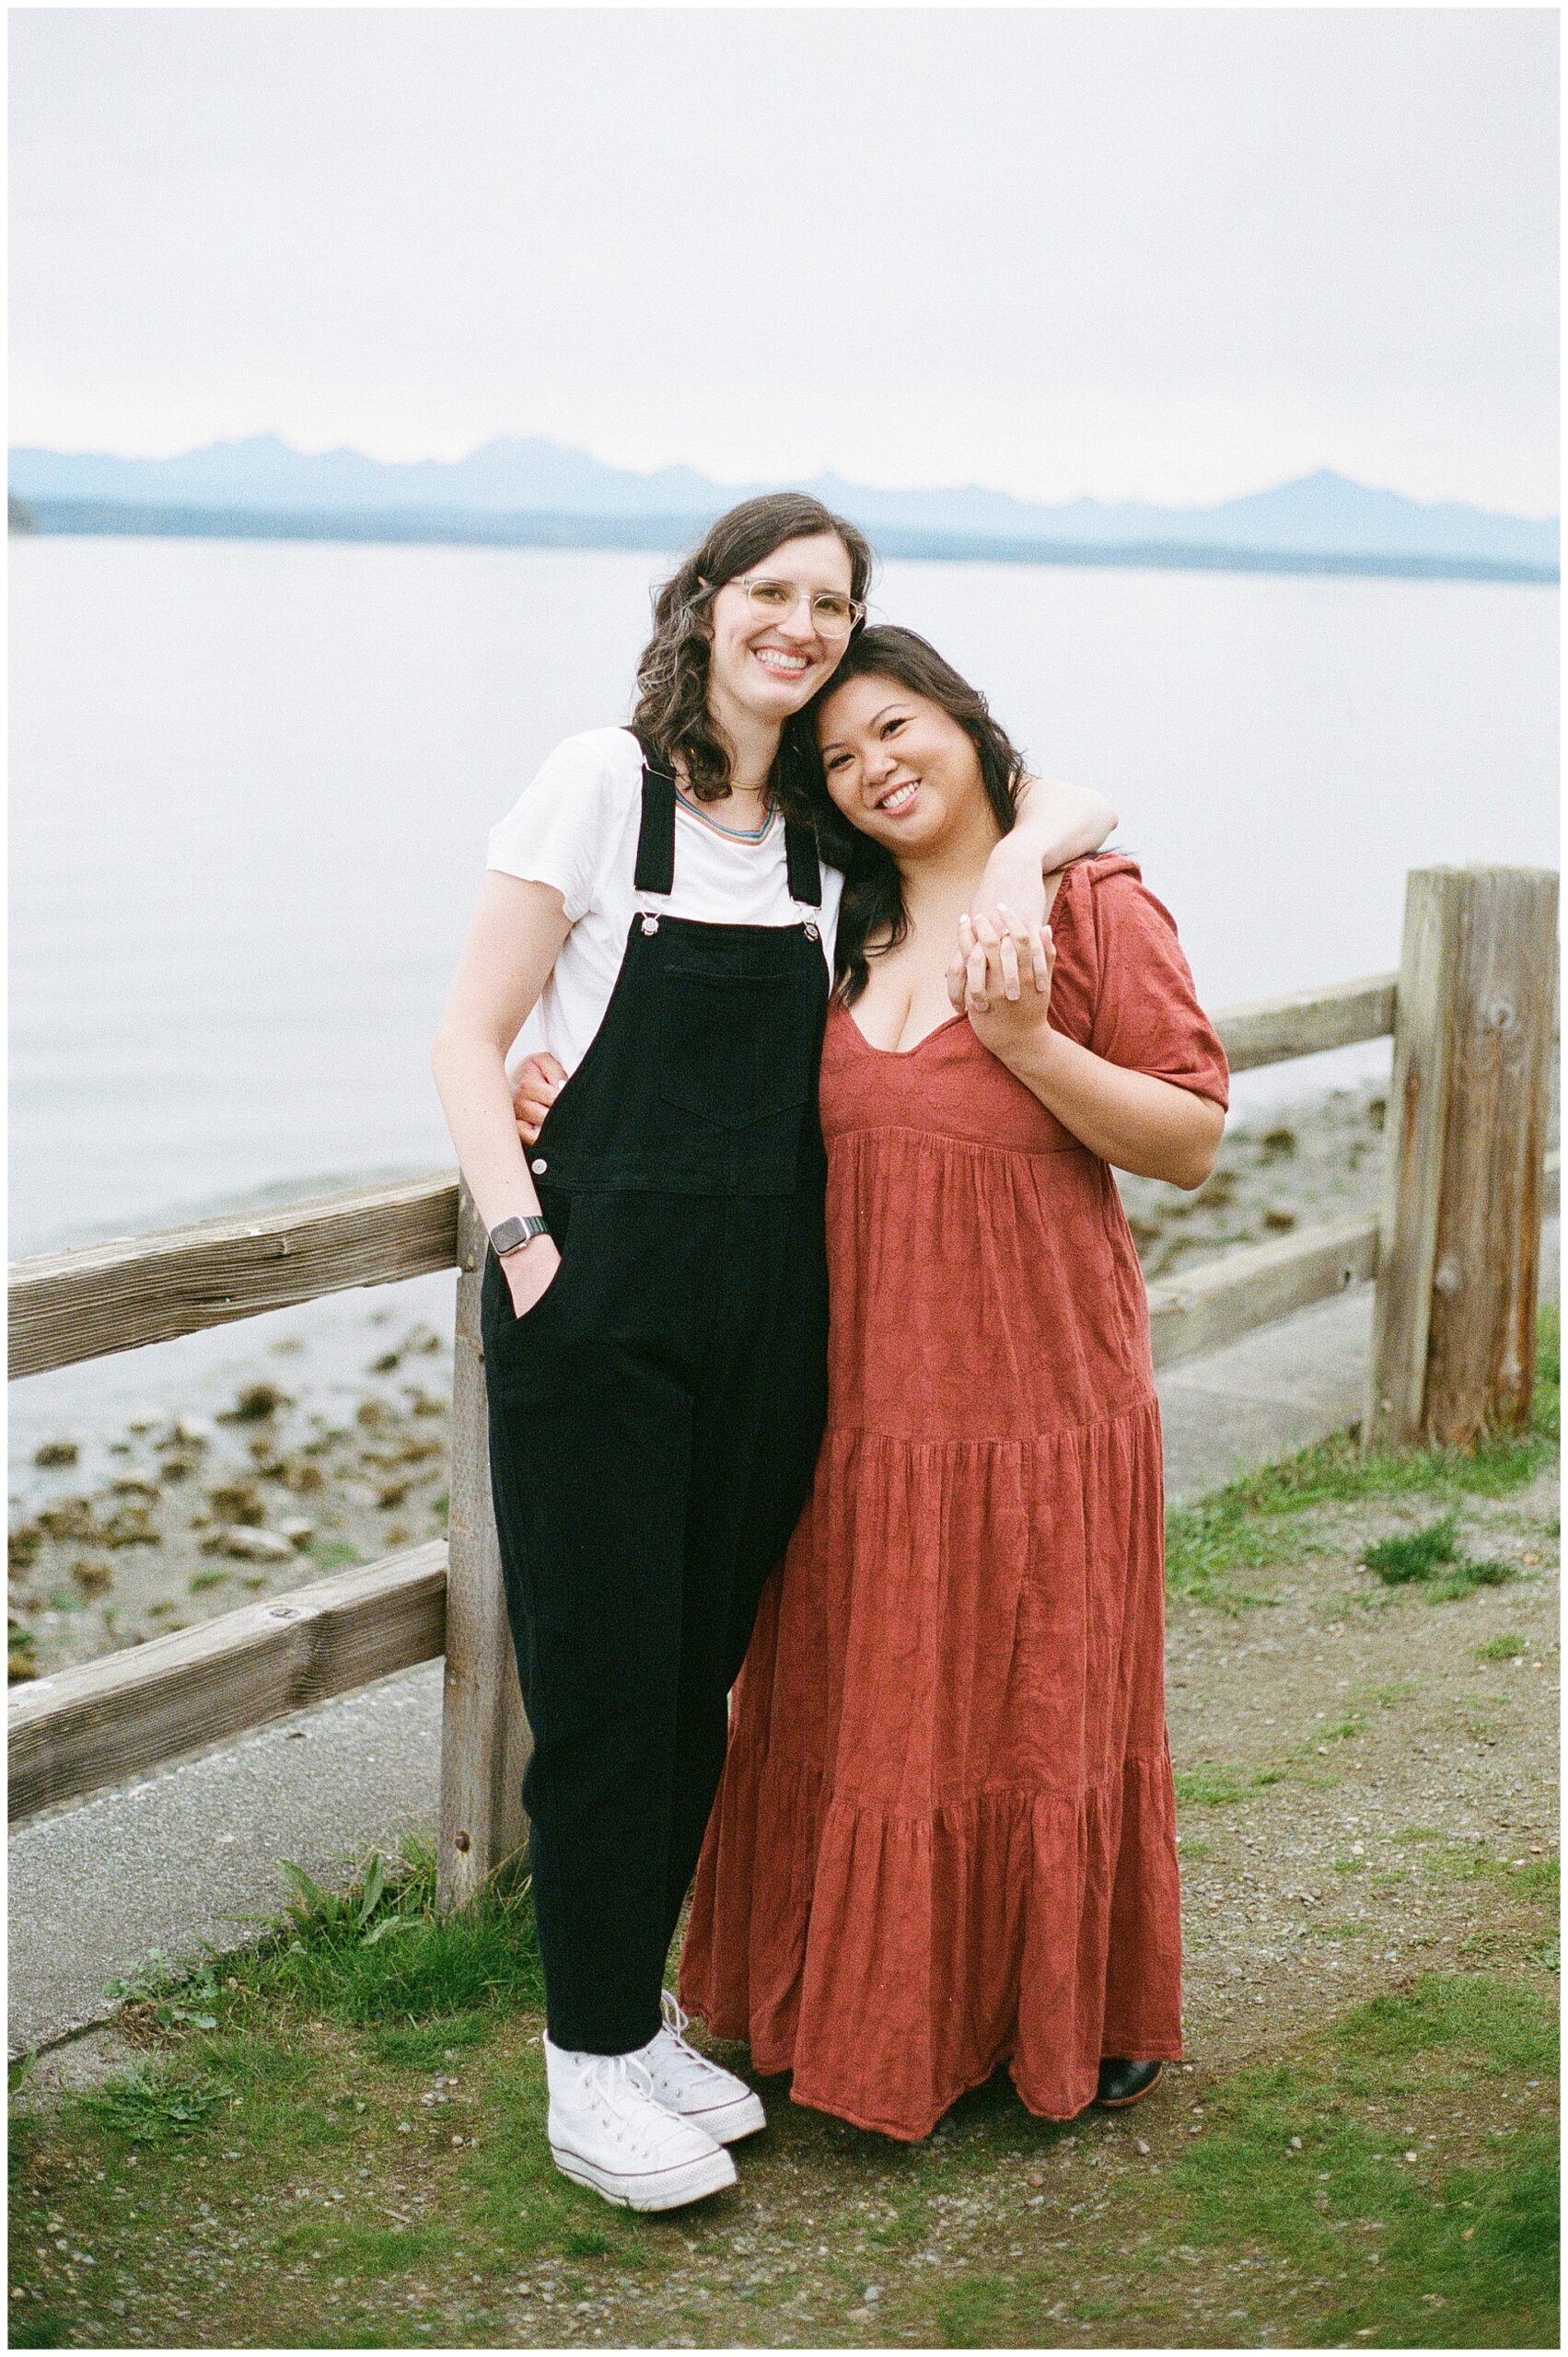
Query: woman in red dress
x=946 y=1833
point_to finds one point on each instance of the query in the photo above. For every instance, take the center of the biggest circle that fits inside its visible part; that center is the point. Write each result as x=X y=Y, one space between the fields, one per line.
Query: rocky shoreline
x=1295 y=1166
x=207 y=1510
x=177 y=1513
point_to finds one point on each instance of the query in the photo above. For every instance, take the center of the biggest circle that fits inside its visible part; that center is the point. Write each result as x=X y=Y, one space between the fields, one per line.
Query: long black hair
x=672 y=674
x=874 y=897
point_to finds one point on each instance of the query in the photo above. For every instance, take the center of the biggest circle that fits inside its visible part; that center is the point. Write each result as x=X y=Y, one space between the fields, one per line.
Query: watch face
x=512 y=1233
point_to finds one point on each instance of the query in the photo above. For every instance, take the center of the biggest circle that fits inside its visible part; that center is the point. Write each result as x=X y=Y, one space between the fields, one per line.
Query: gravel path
x=1388 y=1726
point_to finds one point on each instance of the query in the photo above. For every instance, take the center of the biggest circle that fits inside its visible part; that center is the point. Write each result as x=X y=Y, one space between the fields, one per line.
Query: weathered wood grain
x=1453 y=1350
x=1252 y=1285
x=1481 y=1348
x=1273 y=1031
x=136 y=1289
x=104 y=1721
x=484 y=1734
x=1411 y=1182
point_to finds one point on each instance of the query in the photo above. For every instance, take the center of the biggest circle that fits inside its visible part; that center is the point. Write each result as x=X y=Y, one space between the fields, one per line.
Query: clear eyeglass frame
x=833 y=614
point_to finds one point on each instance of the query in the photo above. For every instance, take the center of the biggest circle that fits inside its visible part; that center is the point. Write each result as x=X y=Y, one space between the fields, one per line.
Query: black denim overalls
x=654 y=1418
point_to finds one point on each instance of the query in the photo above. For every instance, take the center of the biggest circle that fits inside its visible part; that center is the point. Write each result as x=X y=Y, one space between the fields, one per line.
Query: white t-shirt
x=576 y=826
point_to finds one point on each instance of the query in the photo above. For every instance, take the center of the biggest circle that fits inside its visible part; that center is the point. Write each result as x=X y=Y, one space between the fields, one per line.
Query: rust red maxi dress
x=946 y=1831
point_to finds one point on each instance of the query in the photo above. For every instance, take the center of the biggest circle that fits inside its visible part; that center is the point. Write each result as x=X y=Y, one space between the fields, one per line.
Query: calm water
x=250 y=784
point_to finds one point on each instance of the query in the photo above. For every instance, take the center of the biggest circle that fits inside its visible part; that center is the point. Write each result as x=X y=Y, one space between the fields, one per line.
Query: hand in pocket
x=530 y=1274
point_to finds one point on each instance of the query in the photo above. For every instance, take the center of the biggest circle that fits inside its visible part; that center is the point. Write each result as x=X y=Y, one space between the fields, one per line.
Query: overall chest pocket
x=732 y=1048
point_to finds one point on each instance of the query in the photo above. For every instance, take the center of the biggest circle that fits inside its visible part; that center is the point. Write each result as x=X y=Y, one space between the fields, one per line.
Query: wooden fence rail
x=92 y=1725
x=137 y=1289
x=1253 y=1285
x=1274 y=1031
x=82 y=1729
x=129 y=1712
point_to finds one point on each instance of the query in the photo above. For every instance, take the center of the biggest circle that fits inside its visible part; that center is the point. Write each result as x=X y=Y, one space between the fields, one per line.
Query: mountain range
x=531 y=490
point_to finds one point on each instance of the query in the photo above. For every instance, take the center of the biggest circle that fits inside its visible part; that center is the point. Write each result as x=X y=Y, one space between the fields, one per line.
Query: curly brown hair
x=672 y=712
x=873 y=896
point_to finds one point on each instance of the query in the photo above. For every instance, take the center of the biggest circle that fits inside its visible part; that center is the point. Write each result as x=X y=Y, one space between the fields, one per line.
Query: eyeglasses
x=833 y=614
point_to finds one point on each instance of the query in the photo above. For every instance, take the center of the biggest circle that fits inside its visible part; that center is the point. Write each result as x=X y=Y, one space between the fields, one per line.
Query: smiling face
x=769 y=666
x=900 y=769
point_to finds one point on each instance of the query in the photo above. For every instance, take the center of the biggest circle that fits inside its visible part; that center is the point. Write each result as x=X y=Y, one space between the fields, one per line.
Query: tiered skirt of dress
x=946 y=1833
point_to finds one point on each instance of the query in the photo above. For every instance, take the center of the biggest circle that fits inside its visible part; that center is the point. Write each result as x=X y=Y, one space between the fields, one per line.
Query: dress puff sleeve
x=1146 y=1016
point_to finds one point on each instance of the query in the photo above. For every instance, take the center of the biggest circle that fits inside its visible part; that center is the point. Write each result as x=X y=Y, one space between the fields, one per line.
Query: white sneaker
x=608 y=2132
x=687 y=2084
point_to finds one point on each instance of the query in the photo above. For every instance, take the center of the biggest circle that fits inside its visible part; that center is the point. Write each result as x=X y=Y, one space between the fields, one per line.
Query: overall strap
x=656 y=841
x=656 y=837
x=805 y=871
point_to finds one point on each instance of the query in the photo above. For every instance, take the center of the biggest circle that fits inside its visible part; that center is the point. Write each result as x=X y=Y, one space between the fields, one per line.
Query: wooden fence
x=1455 y=1256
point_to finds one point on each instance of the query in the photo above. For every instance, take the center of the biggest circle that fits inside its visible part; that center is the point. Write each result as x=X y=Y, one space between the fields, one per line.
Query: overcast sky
x=1171 y=254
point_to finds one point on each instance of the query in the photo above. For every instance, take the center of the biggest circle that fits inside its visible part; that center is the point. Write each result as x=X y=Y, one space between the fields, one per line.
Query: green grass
x=1540 y=1877
x=1209 y=1786
x=1432 y=1557
x=380 y=1951
x=1465 y=1577
x=424 y=2046
x=1415 y=1555
x=1205 y=1543
x=203 y=2187
x=1258 y=1521
x=1302 y=2159
x=153 y=2103
x=584 y=2242
x=175 y=1992
x=306 y=2055
x=332 y=1554
x=1506 y=1647
x=376 y=1954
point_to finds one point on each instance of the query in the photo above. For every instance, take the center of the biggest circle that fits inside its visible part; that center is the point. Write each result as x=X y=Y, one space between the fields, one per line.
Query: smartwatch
x=513 y=1233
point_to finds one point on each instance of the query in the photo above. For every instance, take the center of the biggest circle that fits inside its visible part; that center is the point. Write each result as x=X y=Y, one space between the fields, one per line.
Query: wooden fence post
x=1453 y=1342
x=484 y=1736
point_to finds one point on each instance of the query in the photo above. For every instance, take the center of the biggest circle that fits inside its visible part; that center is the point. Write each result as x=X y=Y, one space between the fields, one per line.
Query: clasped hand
x=1000 y=978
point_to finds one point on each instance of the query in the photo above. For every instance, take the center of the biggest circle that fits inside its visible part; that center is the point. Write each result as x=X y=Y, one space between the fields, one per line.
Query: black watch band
x=513 y=1233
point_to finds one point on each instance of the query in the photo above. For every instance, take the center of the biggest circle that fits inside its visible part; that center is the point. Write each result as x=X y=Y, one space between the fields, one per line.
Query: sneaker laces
x=685 y=2057
x=621 y=2090
x=674 y=2020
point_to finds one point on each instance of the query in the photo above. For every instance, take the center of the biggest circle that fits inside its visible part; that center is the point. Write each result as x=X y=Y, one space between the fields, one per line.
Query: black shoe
x=1122 y=2084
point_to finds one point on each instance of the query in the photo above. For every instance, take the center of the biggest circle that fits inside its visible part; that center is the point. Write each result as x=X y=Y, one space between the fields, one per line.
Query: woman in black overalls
x=654 y=1320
